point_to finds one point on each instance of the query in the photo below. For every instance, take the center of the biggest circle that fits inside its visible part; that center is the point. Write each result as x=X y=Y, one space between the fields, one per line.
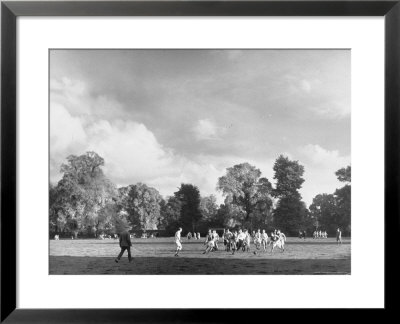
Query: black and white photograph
x=199 y=162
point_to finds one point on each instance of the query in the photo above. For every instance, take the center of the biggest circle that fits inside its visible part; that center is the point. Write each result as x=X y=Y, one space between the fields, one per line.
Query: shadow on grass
x=195 y=266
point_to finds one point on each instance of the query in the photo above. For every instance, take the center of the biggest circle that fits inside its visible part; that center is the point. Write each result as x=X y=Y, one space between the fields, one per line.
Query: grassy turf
x=156 y=256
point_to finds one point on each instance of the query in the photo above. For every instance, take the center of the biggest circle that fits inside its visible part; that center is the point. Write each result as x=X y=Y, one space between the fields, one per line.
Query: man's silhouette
x=125 y=244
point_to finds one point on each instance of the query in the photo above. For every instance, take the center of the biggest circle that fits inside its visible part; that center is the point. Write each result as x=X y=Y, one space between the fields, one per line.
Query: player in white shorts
x=264 y=239
x=215 y=238
x=247 y=240
x=338 y=236
x=210 y=245
x=257 y=239
x=240 y=240
x=178 y=241
x=278 y=239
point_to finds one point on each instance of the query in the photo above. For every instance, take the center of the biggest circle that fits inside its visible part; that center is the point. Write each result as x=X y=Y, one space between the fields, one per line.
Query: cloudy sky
x=166 y=117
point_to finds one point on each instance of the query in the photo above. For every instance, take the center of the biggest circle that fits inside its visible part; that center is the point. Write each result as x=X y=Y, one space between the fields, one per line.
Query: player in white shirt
x=264 y=239
x=257 y=239
x=279 y=241
x=210 y=242
x=338 y=236
x=178 y=241
x=241 y=237
x=215 y=237
x=233 y=241
x=247 y=240
x=226 y=237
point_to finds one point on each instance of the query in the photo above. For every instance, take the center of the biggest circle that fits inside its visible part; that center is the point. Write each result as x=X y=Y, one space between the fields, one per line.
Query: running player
x=215 y=238
x=240 y=242
x=257 y=239
x=178 y=241
x=209 y=238
x=264 y=239
x=210 y=242
x=233 y=241
x=247 y=241
x=273 y=237
x=227 y=239
x=281 y=235
x=338 y=236
x=278 y=239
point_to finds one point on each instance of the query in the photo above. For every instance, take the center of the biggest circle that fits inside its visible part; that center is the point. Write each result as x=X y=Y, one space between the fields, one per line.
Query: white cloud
x=310 y=91
x=305 y=86
x=78 y=98
x=332 y=110
x=131 y=151
x=65 y=130
x=298 y=86
x=206 y=129
x=318 y=156
x=81 y=121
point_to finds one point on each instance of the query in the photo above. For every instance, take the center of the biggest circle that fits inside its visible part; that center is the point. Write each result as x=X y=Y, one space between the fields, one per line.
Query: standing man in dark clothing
x=125 y=244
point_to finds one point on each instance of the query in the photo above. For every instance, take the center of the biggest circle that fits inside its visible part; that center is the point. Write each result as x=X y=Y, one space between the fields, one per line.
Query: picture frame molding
x=11 y=10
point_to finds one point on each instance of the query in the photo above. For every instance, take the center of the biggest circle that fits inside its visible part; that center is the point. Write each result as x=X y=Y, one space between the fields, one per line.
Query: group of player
x=238 y=240
x=320 y=234
x=195 y=236
x=241 y=240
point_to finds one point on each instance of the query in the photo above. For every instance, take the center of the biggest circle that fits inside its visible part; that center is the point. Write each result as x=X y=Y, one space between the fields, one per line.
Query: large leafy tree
x=170 y=214
x=212 y=215
x=344 y=174
x=230 y=215
x=208 y=208
x=112 y=219
x=80 y=194
x=290 y=215
x=290 y=212
x=288 y=176
x=262 y=214
x=189 y=197
x=243 y=187
x=343 y=200
x=324 y=213
x=330 y=211
x=142 y=205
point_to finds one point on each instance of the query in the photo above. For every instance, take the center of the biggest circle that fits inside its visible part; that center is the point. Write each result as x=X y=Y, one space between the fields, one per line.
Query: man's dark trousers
x=123 y=248
x=125 y=244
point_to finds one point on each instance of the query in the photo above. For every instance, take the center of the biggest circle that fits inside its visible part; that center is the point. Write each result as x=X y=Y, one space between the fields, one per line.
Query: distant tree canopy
x=189 y=197
x=288 y=176
x=86 y=203
x=344 y=174
x=244 y=188
x=291 y=214
x=80 y=195
x=171 y=214
x=142 y=205
x=323 y=212
x=330 y=211
x=208 y=208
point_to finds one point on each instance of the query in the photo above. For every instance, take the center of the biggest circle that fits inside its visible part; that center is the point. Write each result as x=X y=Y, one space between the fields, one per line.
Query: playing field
x=156 y=256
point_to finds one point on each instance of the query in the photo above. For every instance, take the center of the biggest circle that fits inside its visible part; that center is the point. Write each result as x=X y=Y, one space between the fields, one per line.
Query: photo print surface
x=200 y=161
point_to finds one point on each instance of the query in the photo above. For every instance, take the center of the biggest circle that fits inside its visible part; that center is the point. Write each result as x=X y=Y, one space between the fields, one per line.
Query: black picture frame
x=11 y=10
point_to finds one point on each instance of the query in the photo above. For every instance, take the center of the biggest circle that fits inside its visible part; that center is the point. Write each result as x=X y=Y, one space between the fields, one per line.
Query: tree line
x=86 y=203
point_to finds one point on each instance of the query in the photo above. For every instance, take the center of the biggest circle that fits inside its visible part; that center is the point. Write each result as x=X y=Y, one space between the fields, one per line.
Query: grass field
x=156 y=256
